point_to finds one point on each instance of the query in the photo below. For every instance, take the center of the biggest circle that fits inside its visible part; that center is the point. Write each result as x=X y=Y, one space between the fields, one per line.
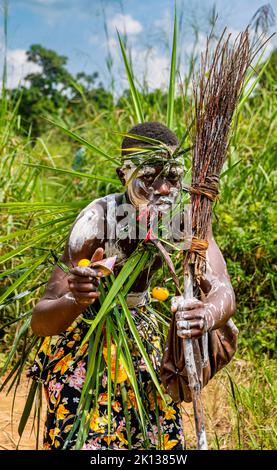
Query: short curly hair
x=152 y=129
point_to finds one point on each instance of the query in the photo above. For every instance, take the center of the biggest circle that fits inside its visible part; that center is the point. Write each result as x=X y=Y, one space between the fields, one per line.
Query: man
x=66 y=299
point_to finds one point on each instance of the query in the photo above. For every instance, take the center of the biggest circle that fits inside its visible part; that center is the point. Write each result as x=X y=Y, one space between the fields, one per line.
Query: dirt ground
x=9 y=437
x=216 y=414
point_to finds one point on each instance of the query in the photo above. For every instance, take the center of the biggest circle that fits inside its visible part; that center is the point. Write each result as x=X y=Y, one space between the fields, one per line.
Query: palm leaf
x=76 y=173
x=84 y=142
x=22 y=278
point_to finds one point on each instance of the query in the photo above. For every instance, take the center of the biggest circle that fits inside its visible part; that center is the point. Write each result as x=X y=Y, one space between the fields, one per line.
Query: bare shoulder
x=88 y=230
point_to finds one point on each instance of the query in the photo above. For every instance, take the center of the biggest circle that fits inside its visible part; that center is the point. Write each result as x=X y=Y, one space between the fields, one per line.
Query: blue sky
x=75 y=28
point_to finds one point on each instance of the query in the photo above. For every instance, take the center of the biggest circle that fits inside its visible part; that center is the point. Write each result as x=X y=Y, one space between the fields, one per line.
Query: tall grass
x=41 y=193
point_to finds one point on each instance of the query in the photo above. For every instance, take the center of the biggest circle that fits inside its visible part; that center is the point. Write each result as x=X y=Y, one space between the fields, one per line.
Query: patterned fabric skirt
x=61 y=365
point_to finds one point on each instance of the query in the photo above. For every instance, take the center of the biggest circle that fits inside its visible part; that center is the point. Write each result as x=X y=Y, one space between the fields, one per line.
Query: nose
x=162 y=188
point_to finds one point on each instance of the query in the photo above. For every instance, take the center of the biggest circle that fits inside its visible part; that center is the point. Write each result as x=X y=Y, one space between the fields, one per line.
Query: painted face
x=155 y=186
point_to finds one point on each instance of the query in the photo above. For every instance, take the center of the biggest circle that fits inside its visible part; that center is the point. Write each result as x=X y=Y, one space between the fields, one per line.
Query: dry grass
x=248 y=424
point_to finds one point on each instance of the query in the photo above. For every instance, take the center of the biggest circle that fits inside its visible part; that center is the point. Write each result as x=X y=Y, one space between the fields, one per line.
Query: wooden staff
x=216 y=97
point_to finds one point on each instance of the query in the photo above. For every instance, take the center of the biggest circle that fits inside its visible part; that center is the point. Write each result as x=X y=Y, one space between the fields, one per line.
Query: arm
x=67 y=296
x=219 y=303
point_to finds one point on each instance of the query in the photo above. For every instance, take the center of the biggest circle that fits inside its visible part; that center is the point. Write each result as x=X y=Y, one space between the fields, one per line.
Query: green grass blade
x=251 y=89
x=84 y=142
x=135 y=95
x=125 y=272
x=76 y=173
x=109 y=382
x=28 y=407
x=22 y=278
x=139 y=344
x=171 y=88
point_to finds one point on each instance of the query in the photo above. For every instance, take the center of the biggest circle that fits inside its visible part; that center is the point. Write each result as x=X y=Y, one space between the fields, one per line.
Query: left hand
x=193 y=317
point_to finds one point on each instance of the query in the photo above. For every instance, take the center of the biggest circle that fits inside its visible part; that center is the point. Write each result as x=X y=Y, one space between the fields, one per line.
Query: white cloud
x=18 y=67
x=94 y=39
x=125 y=24
x=151 y=66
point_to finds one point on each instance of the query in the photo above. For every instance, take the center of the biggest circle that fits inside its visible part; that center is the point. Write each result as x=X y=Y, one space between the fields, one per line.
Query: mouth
x=162 y=205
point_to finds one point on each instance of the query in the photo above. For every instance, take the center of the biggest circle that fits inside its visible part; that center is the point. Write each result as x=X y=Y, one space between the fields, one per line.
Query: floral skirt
x=61 y=365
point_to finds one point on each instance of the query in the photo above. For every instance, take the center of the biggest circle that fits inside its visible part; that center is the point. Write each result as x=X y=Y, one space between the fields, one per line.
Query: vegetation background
x=47 y=177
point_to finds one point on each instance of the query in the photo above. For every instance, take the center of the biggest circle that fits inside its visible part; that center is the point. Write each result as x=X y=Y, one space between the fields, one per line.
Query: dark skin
x=67 y=296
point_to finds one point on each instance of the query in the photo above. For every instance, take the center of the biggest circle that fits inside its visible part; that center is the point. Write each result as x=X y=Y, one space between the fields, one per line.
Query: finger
x=190 y=325
x=98 y=255
x=88 y=295
x=189 y=334
x=179 y=303
x=190 y=315
x=191 y=304
x=83 y=279
x=82 y=287
x=84 y=271
x=85 y=301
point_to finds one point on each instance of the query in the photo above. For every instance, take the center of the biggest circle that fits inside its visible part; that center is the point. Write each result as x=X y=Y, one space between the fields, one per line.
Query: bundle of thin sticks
x=216 y=96
x=216 y=93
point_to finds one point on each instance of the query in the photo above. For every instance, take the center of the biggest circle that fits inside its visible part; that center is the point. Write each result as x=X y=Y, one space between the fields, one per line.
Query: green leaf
x=139 y=344
x=134 y=92
x=84 y=142
x=76 y=173
x=22 y=331
x=251 y=88
x=109 y=382
x=129 y=367
x=171 y=88
x=125 y=272
x=31 y=242
x=28 y=407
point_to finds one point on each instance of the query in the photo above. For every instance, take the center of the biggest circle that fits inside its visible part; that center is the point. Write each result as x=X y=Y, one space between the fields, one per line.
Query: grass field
x=44 y=185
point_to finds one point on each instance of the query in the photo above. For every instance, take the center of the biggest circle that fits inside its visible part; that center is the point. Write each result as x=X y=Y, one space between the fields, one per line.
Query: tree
x=53 y=90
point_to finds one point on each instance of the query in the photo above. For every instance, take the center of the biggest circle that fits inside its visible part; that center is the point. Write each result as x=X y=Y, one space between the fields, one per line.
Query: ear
x=121 y=175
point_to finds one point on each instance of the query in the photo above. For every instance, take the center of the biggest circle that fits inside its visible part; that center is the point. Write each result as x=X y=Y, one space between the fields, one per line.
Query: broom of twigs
x=216 y=94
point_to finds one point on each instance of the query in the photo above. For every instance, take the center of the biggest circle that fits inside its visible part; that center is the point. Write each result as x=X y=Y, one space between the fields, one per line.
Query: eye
x=148 y=177
x=173 y=177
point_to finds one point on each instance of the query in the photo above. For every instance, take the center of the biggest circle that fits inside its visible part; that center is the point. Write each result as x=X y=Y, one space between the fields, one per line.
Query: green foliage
x=42 y=190
x=52 y=90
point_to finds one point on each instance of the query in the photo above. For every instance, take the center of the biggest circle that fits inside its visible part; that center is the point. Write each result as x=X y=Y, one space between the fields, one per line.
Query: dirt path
x=9 y=437
x=216 y=412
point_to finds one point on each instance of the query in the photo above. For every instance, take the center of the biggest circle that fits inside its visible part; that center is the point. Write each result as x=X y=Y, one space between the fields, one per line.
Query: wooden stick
x=194 y=383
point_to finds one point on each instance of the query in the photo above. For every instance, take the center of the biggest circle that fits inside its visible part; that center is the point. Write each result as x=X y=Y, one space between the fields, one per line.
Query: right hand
x=83 y=281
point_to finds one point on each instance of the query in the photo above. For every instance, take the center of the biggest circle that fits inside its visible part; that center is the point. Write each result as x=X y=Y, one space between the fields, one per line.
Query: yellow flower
x=64 y=364
x=70 y=344
x=121 y=373
x=94 y=422
x=116 y=406
x=103 y=398
x=53 y=433
x=82 y=349
x=76 y=337
x=122 y=439
x=45 y=346
x=132 y=401
x=46 y=446
x=166 y=444
x=109 y=438
x=169 y=413
x=62 y=412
